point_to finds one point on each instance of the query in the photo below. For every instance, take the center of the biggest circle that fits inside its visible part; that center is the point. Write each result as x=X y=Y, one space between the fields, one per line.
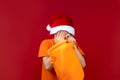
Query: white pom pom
x=48 y=27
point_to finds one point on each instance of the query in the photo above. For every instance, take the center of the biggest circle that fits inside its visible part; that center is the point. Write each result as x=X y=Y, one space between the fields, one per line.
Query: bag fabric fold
x=65 y=61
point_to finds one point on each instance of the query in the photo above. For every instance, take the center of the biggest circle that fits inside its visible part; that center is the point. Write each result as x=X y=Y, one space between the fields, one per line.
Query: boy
x=61 y=26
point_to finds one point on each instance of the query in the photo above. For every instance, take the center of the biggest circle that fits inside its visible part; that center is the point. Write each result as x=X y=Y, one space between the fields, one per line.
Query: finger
x=71 y=39
x=58 y=33
x=64 y=33
x=61 y=34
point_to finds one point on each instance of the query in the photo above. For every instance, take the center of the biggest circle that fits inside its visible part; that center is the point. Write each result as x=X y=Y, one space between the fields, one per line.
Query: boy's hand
x=63 y=35
x=47 y=63
x=70 y=38
x=59 y=36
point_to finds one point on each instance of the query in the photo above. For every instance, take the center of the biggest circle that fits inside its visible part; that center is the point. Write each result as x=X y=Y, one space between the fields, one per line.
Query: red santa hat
x=61 y=22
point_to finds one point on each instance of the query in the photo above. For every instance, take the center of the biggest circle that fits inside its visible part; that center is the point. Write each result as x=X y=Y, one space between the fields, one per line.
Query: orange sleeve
x=44 y=46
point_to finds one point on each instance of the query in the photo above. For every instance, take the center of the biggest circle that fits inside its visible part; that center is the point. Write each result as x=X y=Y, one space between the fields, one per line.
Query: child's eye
x=68 y=35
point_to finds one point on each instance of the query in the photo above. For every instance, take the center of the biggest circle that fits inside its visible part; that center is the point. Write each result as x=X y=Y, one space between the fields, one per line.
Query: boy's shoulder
x=48 y=41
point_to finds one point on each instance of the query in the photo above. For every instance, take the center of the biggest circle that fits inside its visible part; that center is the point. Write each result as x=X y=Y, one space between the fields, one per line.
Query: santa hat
x=61 y=22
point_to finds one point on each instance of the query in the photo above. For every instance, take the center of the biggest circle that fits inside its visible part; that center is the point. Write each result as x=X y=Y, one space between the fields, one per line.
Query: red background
x=23 y=27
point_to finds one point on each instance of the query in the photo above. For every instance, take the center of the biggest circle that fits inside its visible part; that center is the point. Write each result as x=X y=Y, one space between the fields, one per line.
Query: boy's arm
x=70 y=38
x=47 y=63
x=80 y=56
x=44 y=46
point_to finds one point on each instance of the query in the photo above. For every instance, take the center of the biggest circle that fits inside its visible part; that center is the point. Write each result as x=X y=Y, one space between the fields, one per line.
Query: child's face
x=63 y=33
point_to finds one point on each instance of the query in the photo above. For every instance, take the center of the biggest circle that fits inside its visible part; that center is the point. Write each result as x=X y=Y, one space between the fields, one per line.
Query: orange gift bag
x=65 y=61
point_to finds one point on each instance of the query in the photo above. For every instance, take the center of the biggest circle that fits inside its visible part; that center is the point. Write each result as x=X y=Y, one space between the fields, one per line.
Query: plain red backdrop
x=23 y=27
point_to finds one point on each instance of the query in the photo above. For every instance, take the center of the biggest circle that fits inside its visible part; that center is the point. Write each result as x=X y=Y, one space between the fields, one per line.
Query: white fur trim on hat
x=67 y=28
x=48 y=27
